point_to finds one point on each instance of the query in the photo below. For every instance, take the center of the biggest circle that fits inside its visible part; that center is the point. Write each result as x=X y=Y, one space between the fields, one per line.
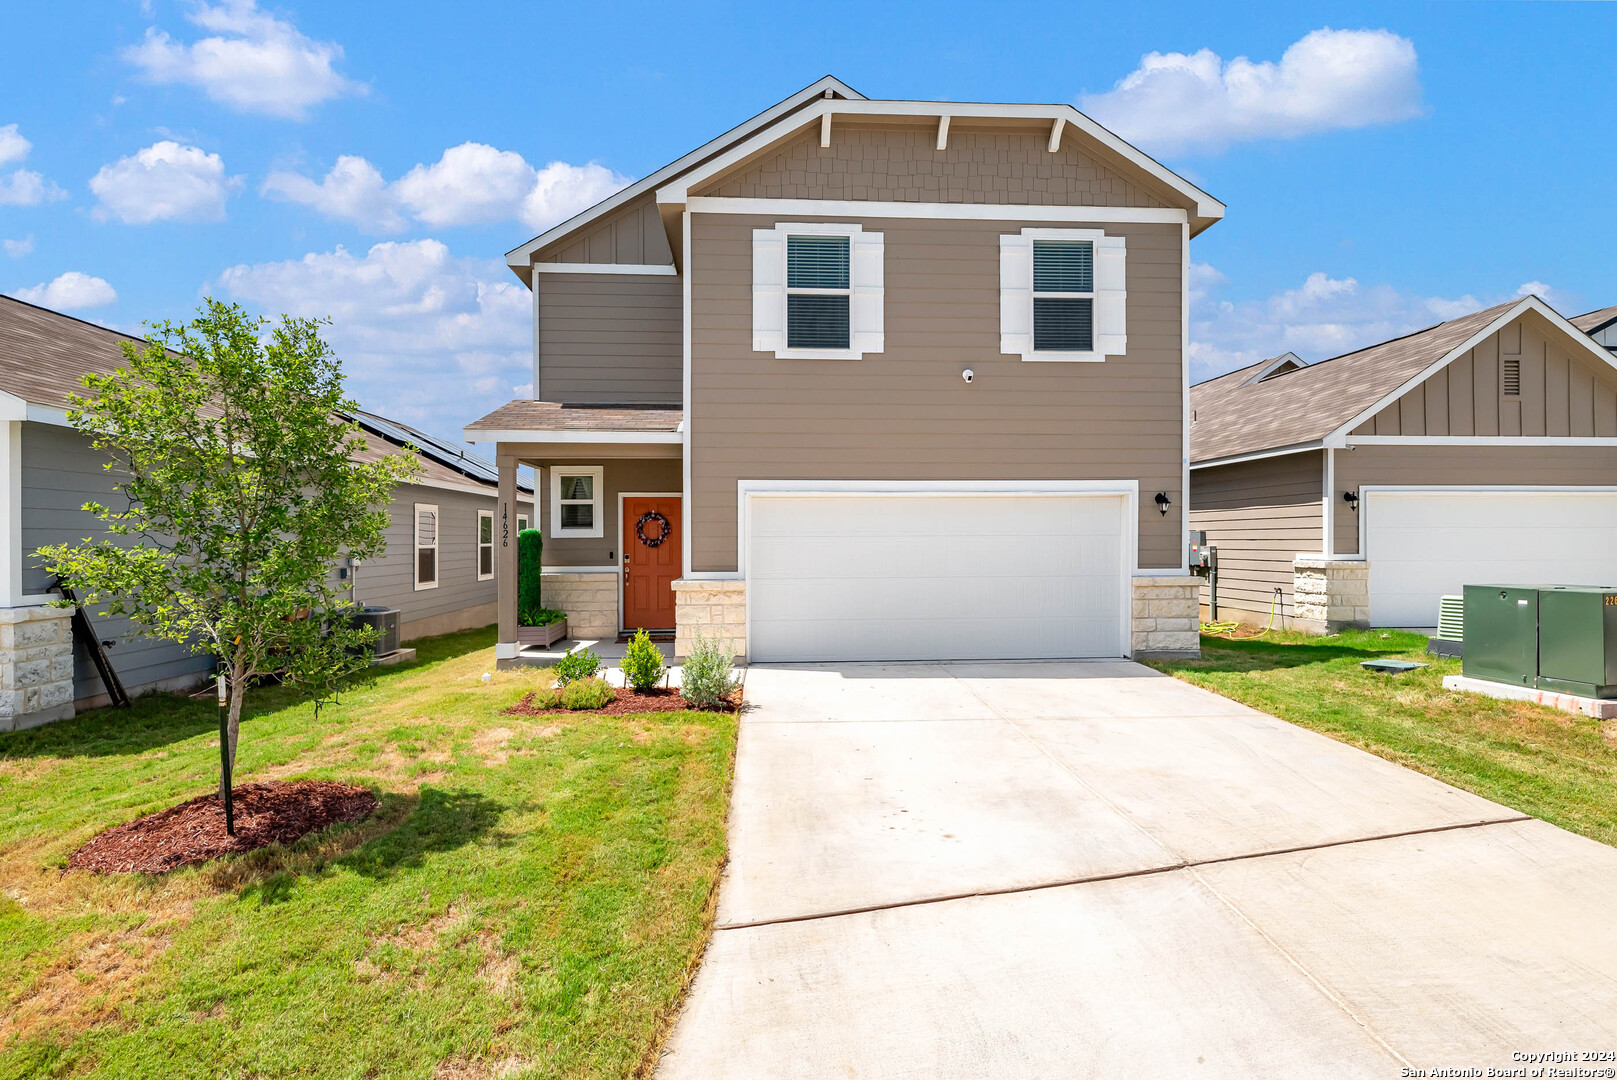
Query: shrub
x=538 y=616
x=707 y=678
x=590 y=693
x=643 y=662
x=530 y=549
x=576 y=665
x=545 y=699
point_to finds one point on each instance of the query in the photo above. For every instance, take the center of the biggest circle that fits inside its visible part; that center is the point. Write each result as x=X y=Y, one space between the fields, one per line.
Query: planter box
x=542 y=635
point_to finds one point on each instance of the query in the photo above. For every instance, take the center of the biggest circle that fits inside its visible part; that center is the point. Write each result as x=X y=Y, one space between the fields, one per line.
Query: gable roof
x=1304 y=408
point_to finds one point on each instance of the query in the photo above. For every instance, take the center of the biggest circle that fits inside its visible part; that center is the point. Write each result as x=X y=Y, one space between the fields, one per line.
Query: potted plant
x=536 y=624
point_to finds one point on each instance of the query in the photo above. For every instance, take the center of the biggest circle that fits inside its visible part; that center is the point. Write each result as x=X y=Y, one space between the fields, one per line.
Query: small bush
x=590 y=693
x=576 y=665
x=530 y=559
x=538 y=616
x=545 y=699
x=643 y=662
x=707 y=678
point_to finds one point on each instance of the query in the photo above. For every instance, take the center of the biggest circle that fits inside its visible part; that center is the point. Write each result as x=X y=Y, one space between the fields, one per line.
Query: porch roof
x=525 y=420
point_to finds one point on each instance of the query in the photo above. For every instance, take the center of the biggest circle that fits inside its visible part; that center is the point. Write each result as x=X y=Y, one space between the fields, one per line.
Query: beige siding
x=1438 y=466
x=631 y=234
x=652 y=476
x=610 y=339
x=1259 y=514
x=906 y=414
x=1564 y=393
x=903 y=164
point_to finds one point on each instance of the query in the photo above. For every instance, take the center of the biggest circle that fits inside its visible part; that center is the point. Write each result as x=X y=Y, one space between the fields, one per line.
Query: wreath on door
x=663 y=528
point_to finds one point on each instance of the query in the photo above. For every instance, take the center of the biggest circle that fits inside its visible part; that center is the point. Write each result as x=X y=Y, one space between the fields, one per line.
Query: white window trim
x=598 y=501
x=436 y=547
x=1016 y=296
x=866 y=330
x=482 y=516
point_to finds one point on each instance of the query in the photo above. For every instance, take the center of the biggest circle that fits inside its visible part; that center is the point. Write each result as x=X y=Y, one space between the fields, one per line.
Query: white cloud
x=69 y=291
x=164 y=182
x=22 y=187
x=1329 y=79
x=424 y=337
x=1323 y=317
x=253 y=62
x=16 y=249
x=470 y=184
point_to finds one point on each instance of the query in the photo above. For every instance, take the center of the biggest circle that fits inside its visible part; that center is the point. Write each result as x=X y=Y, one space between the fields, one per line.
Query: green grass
x=1554 y=765
x=529 y=900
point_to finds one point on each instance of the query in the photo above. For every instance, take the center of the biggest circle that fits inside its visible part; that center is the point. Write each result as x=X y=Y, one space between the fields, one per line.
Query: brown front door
x=651 y=561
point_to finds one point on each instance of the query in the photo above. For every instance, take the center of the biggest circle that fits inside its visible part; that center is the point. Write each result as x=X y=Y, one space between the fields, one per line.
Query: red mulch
x=628 y=700
x=271 y=812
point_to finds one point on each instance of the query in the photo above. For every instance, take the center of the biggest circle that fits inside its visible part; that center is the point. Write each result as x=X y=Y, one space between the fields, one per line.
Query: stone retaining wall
x=717 y=609
x=1167 y=616
x=590 y=600
x=36 y=666
x=1329 y=595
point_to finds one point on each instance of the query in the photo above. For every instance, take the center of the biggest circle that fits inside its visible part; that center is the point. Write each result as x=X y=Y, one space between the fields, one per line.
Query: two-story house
x=867 y=380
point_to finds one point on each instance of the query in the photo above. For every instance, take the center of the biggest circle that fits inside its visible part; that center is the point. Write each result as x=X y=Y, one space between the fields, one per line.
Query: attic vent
x=1510 y=376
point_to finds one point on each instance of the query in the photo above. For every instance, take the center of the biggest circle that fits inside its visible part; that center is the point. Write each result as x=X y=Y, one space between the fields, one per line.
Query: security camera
x=968 y=374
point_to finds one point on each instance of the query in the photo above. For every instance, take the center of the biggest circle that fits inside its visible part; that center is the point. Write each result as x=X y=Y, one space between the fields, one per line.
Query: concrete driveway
x=1089 y=869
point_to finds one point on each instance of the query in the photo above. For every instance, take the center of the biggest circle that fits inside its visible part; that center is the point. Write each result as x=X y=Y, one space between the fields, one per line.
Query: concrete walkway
x=1092 y=870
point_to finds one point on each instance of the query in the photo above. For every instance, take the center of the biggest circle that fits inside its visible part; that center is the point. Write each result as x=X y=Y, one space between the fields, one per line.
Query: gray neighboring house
x=439 y=570
x=1600 y=325
x=1358 y=490
x=868 y=380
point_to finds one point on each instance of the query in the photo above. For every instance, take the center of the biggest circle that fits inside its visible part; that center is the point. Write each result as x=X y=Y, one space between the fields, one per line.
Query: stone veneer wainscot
x=36 y=666
x=717 y=609
x=590 y=601
x=1167 y=616
x=1329 y=595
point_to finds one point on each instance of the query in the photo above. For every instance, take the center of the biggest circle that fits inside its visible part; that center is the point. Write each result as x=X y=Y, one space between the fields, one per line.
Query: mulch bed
x=270 y=812
x=628 y=700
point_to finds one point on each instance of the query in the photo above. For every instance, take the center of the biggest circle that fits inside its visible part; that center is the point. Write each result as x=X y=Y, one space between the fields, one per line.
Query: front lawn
x=528 y=900
x=1554 y=765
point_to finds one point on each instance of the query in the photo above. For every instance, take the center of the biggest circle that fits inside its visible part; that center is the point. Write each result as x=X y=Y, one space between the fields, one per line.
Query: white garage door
x=935 y=576
x=1425 y=544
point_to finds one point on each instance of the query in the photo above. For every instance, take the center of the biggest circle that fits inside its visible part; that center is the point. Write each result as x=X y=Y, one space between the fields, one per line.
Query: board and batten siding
x=886 y=163
x=906 y=413
x=1562 y=394
x=1259 y=514
x=61 y=471
x=1479 y=466
x=631 y=234
x=610 y=339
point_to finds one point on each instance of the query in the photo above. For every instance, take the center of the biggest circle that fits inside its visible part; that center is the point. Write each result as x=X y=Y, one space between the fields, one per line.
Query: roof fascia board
x=661 y=269
x=677 y=190
x=1256 y=455
x=858 y=208
x=1339 y=437
x=491 y=491
x=523 y=255
x=539 y=435
x=12 y=407
x=1481 y=440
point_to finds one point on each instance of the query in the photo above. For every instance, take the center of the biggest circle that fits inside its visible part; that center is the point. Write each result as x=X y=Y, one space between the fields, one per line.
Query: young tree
x=242 y=490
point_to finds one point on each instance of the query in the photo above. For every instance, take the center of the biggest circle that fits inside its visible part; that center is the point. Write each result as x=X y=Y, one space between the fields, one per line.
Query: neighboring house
x=1359 y=490
x=1600 y=325
x=439 y=571
x=868 y=380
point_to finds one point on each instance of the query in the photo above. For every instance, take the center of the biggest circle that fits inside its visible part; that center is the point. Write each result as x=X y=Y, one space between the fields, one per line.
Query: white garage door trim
x=1126 y=490
x=1368 y=503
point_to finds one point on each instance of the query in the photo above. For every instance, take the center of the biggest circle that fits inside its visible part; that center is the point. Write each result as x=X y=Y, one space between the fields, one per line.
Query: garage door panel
x=935 y=577
x=1423 y=545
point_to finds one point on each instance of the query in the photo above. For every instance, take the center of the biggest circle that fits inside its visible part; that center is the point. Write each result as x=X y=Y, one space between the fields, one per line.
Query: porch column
x=505 y=556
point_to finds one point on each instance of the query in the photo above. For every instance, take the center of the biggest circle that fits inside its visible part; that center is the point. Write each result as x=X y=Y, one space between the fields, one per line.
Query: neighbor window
x=426 y=546
x=522 y=522
x=485 y=545
x=817 y=292
x=575 y=501
x=1063 y=296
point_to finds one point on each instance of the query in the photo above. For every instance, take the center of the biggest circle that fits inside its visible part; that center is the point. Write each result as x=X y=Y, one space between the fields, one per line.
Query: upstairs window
x=817 y=292
x=426 y=546
x=575 y=501
x=1063 y=296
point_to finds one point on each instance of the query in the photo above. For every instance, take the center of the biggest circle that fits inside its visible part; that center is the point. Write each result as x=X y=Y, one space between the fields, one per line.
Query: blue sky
x=1385 y=166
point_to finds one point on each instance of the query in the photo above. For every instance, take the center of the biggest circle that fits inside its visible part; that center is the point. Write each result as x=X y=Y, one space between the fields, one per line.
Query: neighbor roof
x=1303 y=406
x=1595 y=321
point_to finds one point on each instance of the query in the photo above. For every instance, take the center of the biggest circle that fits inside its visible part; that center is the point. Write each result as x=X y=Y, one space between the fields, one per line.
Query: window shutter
x=1016 y=294
x=768 y=290
x=866 y=281
x=1111 y=296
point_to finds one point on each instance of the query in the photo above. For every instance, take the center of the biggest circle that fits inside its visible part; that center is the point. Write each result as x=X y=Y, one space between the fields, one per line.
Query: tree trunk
x=238 y=690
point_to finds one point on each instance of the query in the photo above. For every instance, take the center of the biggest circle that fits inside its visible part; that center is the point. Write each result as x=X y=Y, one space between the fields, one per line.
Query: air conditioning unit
x=386 y=622
x=1451 y=618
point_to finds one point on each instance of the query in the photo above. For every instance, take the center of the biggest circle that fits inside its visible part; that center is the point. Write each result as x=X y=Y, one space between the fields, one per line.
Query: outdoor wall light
x=1162 y=502
x=1352 y=499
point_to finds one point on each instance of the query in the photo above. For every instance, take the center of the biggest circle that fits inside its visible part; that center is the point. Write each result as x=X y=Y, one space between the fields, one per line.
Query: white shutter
x=1016 y=294
x=1111 y=297
x=865 y=279
x=768 y=290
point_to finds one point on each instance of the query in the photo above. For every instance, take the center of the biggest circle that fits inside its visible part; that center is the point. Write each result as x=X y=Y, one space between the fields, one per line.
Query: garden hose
x=1230 y=626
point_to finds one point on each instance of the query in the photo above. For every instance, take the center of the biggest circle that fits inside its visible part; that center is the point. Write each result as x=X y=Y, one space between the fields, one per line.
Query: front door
x=651 y=561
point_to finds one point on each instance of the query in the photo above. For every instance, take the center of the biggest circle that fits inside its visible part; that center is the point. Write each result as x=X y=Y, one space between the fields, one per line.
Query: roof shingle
x=542 y=416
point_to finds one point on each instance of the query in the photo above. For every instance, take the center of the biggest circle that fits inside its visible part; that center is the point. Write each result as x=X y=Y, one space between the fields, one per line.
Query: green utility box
x=1577 y=640
x=1501 y=634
